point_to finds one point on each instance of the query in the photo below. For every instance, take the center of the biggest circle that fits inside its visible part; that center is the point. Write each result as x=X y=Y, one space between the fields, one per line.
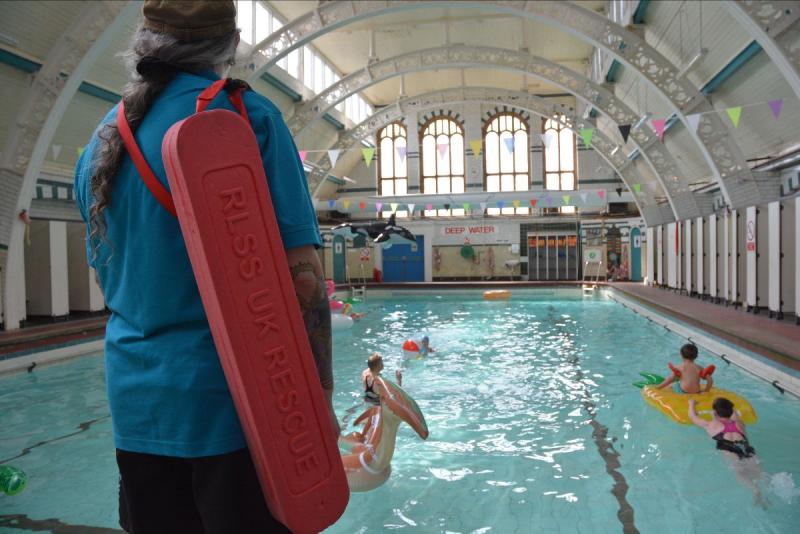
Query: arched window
x=560 y=158
x=506 y=157
x=392 y=163
x=442 y=141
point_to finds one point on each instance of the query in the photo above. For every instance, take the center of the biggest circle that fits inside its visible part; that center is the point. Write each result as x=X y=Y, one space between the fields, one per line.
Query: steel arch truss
x=774 y=25
x=652 y=211
x=678 y=193
x=722 y=154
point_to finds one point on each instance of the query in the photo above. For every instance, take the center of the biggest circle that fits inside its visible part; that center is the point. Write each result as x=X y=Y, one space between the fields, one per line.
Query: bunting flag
x=393 y=205
x=411 y=209
x=378 y=206
x=625 y=131
x=565 y=198
x=734 y=114
x=362 y=205
x=509 y=141
x=659 y=125
x=516 y=203
x=466 y=206
x=586 y=135
x=601 y=194
x=583 y=197
x=346 y=204
x=442 y=149
x=333 y=155
x=303 y=154
x=428 y=207
x=80 y=150
x=483 y=206
x=533 y=202
x=637 y=188
x=776 y=106
x=476 y=146
x=693 y=121
x=549 y=200
x=653 y=186
x=401 y=152
x=447 y=206
x=56 y=151
x=368 y=153
x=500 y=204
x=331 y=204
x=547 y=138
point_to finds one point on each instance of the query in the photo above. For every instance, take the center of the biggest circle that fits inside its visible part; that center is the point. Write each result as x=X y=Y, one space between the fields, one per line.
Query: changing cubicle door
x=741 y=257
x=788 y=259
x=762 y=258
x=572 y=257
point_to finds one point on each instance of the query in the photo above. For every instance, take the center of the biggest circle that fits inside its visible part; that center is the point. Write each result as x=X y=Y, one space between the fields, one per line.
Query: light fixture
x=616 y=149
x=698 y=56
x=348 y=180
x=8 y=40
x=643 y=119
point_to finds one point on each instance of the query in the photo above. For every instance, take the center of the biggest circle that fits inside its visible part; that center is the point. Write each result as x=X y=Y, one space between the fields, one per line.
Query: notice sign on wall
x=469 y=230
x=751 y=235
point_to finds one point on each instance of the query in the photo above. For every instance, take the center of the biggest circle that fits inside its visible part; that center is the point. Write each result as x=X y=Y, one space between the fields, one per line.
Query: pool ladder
x=359 y=292
x=589 y=285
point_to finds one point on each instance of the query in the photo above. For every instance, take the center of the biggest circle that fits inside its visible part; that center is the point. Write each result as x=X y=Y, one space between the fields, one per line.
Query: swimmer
x=689 y=373
x=730 y=436
x=368 y=376
x=425 y=346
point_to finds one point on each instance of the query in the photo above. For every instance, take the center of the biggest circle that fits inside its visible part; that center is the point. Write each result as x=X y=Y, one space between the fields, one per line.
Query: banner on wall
x=593 y=254
x=480 y=229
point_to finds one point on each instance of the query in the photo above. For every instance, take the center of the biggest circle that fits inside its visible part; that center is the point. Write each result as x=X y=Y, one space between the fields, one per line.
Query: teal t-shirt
x=166 y=389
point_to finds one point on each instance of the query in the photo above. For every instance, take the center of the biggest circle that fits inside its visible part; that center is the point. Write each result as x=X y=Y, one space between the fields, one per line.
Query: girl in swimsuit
x=368 y=376
x=729 y=434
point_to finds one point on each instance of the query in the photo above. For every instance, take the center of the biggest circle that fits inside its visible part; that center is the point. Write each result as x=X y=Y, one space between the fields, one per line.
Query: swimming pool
x=534 y=427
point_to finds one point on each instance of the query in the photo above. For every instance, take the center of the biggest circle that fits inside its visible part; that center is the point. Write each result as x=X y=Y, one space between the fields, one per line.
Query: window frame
x=460 y=130
x=561 y=124
x=485 y=130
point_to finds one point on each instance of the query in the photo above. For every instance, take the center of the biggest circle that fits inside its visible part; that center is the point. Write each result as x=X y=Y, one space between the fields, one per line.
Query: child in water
x=730 y=436
x=368 y=376
x=425 y=346
x=688 y=372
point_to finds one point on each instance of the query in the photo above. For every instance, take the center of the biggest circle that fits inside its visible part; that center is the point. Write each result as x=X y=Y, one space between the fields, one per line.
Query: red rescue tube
x=220 y=192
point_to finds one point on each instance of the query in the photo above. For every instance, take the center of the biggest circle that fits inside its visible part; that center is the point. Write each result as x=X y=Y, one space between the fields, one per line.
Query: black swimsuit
x=739 y=447
x=369 y=394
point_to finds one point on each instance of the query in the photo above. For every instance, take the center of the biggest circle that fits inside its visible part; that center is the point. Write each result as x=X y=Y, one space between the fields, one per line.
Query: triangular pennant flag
x=693 y=121
x=734 y=114
x=466 y=206
x=547 y=138
x=331 y=204
x=346 y=204
x=653 y=186
x=625 y=131
x=586 y=135
x=401 y=152
x=411 y=209
x=303 y=154
x=483 y=205
x=393 y=206
x=601 y=194
x=442 y=149
x=428 y=207
x=509 y=144
x=378 y=206
x=80 y=150
x=637 y=188
x=447 y=206
x=565 y=198
x=583 y=197
x=367 y=153
x=476 y=146
x=56 y=151
x=500 y=204
x=776 y=106
x=549 y=200
x=333 y=155
x=659 y=125
x=362 y=205
x=516 y=203
x=533 y=202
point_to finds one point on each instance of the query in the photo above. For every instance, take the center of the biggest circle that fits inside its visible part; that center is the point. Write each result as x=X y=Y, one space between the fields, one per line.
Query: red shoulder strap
x=234 y=88
x=148 y=177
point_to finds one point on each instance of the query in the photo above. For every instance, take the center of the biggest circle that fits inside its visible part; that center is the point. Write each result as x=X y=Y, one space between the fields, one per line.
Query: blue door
x=405 y=263
x=636 y=255
x=339 y=259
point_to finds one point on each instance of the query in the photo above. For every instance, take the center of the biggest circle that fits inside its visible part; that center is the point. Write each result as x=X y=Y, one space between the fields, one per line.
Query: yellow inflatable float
x=497 y=294
x=676 y=405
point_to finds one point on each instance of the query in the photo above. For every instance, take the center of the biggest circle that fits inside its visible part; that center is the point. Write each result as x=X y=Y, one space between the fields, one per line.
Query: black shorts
x=207 y=495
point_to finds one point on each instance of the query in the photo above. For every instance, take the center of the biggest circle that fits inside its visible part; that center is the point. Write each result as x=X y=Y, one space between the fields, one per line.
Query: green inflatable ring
x=467 y=252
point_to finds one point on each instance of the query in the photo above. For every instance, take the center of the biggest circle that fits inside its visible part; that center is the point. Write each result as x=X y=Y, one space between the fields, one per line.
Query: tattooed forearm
x=311 y=294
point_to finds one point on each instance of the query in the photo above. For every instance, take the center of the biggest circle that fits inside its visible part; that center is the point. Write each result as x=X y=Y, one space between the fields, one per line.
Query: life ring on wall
x=497 y=294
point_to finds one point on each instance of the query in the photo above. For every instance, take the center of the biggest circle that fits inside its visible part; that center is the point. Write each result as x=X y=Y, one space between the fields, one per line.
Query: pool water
x=534 y=427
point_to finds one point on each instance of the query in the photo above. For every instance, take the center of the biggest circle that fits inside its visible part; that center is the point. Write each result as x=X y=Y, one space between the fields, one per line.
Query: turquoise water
x=534 y=427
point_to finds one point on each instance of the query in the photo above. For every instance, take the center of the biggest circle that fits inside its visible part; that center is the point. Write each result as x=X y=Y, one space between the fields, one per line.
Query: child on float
x=689 y=373
x=370 y=374
x=729 y=433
